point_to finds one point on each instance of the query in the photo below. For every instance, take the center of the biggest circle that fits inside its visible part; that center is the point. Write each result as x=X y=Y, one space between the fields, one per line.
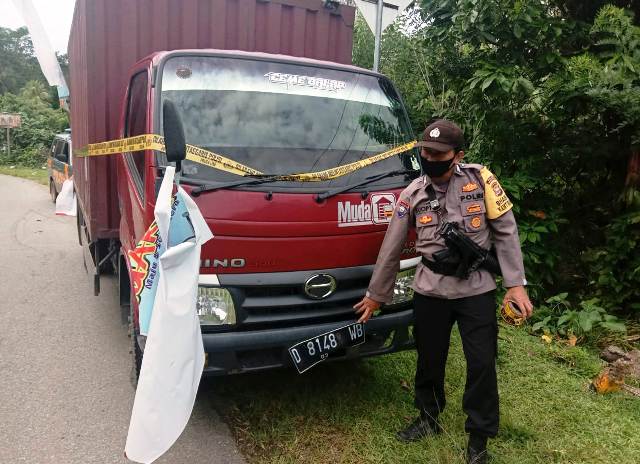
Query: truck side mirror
x=174 y=142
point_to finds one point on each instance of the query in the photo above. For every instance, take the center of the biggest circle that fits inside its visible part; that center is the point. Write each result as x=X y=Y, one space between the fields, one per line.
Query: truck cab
x=288 y=259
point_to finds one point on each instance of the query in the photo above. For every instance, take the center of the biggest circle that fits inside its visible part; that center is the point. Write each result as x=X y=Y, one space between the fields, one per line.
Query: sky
x=56 y=16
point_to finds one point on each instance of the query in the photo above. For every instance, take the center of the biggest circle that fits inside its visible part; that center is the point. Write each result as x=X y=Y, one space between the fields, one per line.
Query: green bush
x=589 y=320
x=548 y=94
x=40 y=122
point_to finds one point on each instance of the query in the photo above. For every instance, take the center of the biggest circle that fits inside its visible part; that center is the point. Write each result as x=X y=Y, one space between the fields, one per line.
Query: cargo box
x=109 y=36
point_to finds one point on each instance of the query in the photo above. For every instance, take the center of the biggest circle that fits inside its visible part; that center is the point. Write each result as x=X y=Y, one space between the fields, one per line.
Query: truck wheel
x=52 y=190
x=136 y=350
x=79 y=221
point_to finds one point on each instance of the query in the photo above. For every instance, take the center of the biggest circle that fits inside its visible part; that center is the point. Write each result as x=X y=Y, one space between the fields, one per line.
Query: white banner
x=42 y=46
x=66 y=200
x=174 y=355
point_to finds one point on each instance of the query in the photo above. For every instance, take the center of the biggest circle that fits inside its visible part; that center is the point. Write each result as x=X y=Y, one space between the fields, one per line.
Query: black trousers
x=478 y=326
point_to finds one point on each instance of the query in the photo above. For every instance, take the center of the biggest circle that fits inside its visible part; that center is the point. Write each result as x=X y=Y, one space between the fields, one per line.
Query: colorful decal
x=382 y=205
x=496 y=199
x=144 y=258
x=58 y=176
x=378 y=210
x=144 y=261
x=470 y=187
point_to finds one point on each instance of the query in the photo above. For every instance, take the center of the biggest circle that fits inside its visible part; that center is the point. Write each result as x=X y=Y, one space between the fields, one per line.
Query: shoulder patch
x=496 y=200
x=402 y=208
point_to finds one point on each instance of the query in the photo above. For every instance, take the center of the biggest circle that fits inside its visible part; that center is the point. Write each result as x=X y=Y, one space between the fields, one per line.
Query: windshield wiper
x=258 y=179
x=210 y=188
x=367 y=180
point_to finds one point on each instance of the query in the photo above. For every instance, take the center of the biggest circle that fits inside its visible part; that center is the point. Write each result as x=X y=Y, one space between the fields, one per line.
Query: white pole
x=376 y=51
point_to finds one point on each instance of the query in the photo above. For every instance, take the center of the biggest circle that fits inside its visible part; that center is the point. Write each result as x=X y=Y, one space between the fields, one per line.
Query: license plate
x=310 y=352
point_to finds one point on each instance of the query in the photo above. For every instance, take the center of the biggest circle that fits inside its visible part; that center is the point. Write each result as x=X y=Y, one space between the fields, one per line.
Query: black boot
x=477 y=450
x=422 y=427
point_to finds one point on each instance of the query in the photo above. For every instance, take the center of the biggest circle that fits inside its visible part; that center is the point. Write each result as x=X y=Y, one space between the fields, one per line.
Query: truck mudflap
x=252 y=351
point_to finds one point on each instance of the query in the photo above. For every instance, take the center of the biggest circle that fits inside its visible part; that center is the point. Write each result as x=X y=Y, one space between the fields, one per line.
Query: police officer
x=471 y=197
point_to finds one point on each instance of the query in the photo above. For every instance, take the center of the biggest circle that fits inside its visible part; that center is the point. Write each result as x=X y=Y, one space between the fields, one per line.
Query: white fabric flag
x=390 y=11
x=41 y=45
x=174 y=355
x=66 y=200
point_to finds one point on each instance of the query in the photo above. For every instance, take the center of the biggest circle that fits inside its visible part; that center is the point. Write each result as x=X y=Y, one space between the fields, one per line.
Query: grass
x=38 y=175
x=349 y=412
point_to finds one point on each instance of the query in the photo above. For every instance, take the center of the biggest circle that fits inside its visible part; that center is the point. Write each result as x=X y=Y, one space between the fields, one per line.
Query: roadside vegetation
x=23 y=90
x=349 y=412
x=39 y=175
x=548 y=93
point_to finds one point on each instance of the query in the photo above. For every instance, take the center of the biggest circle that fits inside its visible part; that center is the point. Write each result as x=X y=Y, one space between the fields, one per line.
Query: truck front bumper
x=251 y=351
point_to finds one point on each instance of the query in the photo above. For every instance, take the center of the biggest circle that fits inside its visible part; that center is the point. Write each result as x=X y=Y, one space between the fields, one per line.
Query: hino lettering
x=226 y=262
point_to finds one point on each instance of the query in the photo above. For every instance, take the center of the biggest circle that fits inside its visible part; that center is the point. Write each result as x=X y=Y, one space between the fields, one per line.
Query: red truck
x=267 y=84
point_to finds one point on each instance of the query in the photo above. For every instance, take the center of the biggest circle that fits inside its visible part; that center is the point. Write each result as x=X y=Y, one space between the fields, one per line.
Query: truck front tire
x=135 y=349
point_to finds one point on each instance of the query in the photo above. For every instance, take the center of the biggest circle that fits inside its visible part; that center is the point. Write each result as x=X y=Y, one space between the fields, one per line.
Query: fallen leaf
x=405 y=385
x=546 y=339
x=606 y=383
x=572 y=340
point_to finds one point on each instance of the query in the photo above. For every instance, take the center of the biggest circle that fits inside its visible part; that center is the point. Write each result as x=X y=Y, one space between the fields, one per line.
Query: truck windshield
x=282 y=118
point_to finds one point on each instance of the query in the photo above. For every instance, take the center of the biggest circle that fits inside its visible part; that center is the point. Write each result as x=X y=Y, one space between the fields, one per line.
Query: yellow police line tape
x=216 y=161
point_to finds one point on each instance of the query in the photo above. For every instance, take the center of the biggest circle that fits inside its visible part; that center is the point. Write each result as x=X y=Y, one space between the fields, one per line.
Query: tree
x=548 y=95
x=19 y=64
x=39 y=123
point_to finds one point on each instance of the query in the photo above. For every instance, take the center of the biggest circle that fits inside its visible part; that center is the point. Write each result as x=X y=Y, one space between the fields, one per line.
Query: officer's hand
x=367 y=307
x=519 y=296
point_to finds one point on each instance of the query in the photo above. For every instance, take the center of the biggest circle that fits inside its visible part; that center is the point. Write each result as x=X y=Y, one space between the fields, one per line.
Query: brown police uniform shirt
x=475 y=200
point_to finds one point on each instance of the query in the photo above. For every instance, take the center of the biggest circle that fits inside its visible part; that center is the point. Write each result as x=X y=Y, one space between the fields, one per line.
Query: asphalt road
x=65 y=368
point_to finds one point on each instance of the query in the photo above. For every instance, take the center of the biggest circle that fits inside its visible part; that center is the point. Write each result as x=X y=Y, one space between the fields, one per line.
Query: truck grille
x=278 y=299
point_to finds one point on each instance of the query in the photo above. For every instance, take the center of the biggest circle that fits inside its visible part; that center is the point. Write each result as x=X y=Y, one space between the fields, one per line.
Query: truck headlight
x=215 y=306
x=402 y=291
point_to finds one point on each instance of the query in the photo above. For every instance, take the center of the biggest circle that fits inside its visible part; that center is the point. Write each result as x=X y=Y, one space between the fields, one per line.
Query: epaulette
x=416 y=183
x=475 y=166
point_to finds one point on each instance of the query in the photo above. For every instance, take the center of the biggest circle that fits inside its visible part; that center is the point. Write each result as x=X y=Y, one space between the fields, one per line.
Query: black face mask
x=436 y=168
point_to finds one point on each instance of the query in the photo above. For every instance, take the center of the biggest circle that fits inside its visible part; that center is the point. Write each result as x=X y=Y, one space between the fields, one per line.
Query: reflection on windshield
x=280 y=118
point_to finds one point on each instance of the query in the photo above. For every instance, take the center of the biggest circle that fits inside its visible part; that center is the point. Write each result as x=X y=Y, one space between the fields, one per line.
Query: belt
x=441 y=268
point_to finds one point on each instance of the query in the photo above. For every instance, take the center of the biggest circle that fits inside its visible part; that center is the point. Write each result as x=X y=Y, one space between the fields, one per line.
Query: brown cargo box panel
x=109 y=36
